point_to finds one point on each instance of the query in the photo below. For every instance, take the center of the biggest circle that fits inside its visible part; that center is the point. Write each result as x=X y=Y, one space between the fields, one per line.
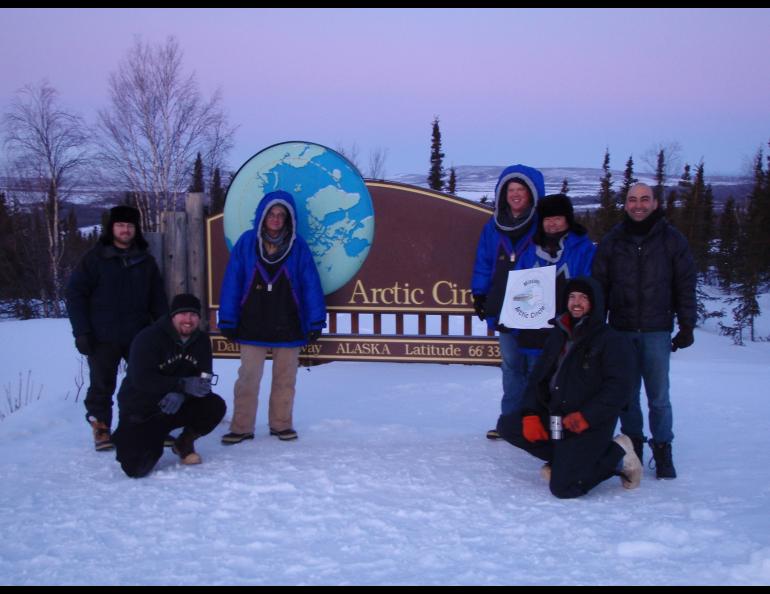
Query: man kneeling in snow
x=582 y=380
x=164 y=389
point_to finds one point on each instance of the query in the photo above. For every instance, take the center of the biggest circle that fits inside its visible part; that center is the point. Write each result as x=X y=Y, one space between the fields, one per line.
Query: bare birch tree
x=47 y=148
x=156 y=124
x=672 y=151
x=351 y=154
x=377 y=158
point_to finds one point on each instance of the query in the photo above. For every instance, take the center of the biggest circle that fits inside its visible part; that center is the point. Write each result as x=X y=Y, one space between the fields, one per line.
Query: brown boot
x=184 y=447
x=102 y=438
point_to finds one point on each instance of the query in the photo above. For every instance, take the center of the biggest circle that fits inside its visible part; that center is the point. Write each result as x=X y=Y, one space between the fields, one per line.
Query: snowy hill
x=391 y=482
x=474 y=182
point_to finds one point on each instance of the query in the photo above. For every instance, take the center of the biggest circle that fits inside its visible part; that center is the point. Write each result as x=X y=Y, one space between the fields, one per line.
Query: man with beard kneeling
x=578 y=387
x=167 y=385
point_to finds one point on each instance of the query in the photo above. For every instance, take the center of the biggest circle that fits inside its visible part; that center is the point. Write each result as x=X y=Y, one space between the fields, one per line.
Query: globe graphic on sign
x=334 y=209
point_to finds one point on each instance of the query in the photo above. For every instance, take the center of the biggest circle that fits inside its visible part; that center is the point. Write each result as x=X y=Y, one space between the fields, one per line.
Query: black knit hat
x=185 y=302
x=555 y=205
x=124 y=214
x=581 y=285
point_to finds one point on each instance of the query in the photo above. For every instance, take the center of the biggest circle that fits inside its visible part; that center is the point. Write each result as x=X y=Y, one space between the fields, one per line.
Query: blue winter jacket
x=297 y=266
x=495 y=246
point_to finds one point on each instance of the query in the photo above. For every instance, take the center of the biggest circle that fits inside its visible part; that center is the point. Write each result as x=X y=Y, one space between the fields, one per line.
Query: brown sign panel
x=420 y=262
x=422 y=256
x=393 y=349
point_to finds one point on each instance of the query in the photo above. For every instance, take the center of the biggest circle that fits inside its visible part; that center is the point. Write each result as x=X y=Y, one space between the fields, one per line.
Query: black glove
x=683 y=339
x=196 y=386
x=313 y=335
x=478 y=305
x=171 y=403
x=84 y=344
x=230 y=333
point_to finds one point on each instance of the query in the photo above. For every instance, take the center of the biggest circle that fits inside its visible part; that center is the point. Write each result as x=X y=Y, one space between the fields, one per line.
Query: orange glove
x=575 y=422
x=532 y=429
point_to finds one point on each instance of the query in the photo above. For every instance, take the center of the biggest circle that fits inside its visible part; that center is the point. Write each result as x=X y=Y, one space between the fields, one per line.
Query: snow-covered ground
x=391 y=482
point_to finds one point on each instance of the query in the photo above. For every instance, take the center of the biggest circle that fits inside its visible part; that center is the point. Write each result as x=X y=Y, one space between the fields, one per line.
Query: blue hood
x=268 y=201
x=530 y=177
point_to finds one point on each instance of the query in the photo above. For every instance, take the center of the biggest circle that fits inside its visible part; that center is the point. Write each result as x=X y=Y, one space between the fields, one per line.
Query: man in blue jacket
x=271 y=300
x=504 y=241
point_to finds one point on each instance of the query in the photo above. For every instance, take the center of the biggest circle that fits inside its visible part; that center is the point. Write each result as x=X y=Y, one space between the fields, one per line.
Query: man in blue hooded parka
x=271 y=300
x=505 y=239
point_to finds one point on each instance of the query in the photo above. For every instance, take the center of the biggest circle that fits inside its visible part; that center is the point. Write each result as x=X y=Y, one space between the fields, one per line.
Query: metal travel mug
x=556 y=428
x=212 y=377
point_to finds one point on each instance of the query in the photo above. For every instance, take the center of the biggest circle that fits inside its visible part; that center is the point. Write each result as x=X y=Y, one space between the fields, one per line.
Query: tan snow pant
x=281 y=405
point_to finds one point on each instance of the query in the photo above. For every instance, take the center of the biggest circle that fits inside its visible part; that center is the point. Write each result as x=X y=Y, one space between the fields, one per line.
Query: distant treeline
x=731 y=248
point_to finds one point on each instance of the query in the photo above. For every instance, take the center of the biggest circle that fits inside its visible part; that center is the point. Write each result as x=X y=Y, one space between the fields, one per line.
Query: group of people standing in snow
x=564 y=388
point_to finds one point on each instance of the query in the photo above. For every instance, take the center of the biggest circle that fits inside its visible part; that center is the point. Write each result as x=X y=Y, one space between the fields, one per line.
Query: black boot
x=639 y=447
x=664 y=465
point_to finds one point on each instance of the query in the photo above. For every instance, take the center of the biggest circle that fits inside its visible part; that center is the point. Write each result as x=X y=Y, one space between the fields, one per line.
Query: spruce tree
x=564 y=187
x=607 y=214
x=660 y=177
x=217 y=193
x=747 y=266
x=628 y=181
x=696 y=219
x=708 y=228
x=762 y=213
x=452 y=183
x=677 y=196
x=197 y=176
x=726 y=256
x=436 y=175
x=75 y=244
x=9 y=261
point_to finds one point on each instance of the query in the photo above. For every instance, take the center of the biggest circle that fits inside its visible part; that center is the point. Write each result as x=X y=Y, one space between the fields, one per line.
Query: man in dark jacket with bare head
x=649 y=276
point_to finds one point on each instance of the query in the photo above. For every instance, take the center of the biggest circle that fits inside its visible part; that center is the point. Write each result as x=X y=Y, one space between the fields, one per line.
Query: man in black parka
x=648 y=274
x=163 y=389
x=583 y=376
x=115 y=291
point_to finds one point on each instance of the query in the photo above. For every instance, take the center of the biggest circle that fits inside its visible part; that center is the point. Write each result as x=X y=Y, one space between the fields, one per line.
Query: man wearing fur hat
x=559 y=241
x=167 y=385
x=115 y=291
x=581 y=381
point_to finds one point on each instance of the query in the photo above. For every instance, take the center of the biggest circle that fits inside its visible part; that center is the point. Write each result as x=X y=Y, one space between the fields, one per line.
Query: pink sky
x=550 y=87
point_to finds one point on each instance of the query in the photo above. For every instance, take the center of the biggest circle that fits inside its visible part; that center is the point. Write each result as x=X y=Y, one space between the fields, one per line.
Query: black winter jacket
x=596 y=376
x=156 y=362
x=647 y=280
x=112 y=294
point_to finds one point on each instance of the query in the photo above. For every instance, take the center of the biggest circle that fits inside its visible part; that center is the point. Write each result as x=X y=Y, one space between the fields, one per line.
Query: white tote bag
x=530 y=298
